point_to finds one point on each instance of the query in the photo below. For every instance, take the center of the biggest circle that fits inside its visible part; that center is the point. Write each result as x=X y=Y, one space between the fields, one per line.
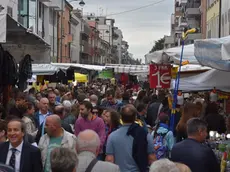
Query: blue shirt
x=120 y=146
x=42 y=117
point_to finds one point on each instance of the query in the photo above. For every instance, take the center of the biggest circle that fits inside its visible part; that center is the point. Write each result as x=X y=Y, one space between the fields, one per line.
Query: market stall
x=214 y=52
x=205 y=81
x=172 y=55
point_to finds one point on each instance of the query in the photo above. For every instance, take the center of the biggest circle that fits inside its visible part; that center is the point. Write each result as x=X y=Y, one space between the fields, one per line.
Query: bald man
x=55 y=137
x=88 y=147
x=43 y=112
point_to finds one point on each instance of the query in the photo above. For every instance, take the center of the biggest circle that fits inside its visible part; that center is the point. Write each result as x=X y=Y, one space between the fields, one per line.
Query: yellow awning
x=80 y=77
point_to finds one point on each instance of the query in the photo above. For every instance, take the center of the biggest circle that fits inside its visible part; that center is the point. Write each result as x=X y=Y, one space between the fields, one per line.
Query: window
x=9 y=11
x=51 y=17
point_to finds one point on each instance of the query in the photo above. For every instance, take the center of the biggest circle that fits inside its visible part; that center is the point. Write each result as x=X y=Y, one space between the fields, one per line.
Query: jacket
x=30 y=157
x=69 y=141
x=140 y=143
x=86 y=157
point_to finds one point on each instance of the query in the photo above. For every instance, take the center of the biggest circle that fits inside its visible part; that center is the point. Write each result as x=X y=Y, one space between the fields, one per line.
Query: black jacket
x=30 y=157
x=140 y=146
x=198 y=157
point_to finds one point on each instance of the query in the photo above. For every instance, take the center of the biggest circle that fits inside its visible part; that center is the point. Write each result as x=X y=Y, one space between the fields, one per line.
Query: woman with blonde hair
x=189 y=111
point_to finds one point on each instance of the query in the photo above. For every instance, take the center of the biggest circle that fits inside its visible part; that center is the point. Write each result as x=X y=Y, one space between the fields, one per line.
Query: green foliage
x=159 y=45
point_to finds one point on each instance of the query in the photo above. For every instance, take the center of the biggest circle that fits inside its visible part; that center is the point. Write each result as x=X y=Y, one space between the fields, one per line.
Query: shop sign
x=159 y=75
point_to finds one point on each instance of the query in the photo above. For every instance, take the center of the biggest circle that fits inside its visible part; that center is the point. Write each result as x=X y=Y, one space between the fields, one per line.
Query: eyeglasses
x=94 y=112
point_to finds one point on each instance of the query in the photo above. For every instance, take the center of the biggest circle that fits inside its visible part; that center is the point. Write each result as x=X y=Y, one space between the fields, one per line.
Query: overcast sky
x=140 y=28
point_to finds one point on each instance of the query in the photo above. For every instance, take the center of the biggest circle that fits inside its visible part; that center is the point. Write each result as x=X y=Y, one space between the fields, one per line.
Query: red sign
x=159 y=76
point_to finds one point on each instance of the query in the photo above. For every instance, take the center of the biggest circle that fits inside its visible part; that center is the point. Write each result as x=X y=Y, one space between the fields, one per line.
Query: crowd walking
x=105 y=128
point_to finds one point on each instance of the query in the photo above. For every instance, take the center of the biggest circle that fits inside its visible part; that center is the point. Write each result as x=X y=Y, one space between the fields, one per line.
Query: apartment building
x=10 y=7
x=64 y=34
x=225 y=18
x=212 y=20
x=187 y=14
x=75 y=44
x=117 y=41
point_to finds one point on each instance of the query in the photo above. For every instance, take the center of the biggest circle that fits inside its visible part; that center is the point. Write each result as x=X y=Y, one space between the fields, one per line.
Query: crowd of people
x=105 y=128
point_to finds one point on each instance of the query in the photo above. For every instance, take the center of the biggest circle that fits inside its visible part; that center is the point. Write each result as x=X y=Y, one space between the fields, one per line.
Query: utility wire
x=135 y=9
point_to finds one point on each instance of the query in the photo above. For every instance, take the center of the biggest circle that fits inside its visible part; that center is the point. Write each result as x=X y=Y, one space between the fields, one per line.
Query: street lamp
x=82 y=3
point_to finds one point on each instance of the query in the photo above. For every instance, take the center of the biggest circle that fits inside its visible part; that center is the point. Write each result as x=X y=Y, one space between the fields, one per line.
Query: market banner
x=106 y=74
x=159 y=75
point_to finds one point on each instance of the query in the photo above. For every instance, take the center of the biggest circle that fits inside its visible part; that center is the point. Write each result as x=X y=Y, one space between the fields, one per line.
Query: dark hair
x=126 y=96
x=163 y=118
x=59 y=110
x=15 y=119
x=194 y=125
x=110 y=92
x=141 y=107
x=20 y=95
x=87 y=105
x=146 y=100
x=32 y=90
x=128 y=114
x=115 y=118
x=141 y=95
x=3 y=125
x=29 y=105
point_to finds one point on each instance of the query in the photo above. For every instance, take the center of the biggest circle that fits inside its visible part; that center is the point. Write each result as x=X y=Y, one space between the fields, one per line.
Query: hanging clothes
x=25 y=71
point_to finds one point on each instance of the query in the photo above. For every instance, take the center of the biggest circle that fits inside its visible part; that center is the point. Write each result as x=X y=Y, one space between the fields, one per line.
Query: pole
x=62 y=11
x=176 y=87
x=220 y=11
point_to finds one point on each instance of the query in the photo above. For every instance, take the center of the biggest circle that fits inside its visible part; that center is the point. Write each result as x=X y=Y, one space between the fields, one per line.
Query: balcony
x=192 y=12
x=182 y=2
x=178 y=30
x=85 y=47
x=194 y=36
x=44 y=0
x=182 y=22
x=55 y=4
x=169 y=40
x=85 y=30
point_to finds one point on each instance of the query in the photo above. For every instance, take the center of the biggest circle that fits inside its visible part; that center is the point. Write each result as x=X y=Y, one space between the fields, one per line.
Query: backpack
x=161 y=150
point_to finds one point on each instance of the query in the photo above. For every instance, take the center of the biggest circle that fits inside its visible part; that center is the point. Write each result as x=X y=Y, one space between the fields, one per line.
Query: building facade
x=187 y=14
x=225 y=18
x=64 y=34
x=213 y=10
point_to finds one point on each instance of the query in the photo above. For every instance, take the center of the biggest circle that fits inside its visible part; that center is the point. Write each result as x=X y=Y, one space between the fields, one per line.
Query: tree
x=159 y=45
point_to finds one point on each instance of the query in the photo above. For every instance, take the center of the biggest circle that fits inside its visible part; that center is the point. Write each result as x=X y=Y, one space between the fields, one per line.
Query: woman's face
x=31 y=111
x=108 y=118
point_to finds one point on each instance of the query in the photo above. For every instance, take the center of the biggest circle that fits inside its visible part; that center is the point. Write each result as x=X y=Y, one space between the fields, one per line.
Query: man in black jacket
x=192 y=152
x=17 y=153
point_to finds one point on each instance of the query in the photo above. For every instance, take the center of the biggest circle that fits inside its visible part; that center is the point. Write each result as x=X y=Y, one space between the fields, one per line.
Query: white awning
x=205 y=81
x=214 y=52
x=77 y=65
x=173 y=55
x=44 y=69
x=144 y=69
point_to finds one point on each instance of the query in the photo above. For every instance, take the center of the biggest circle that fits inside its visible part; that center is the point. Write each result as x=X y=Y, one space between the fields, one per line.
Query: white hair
x=88 y=140
x=163 y=165
x=93 y=98
x=67 y=104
